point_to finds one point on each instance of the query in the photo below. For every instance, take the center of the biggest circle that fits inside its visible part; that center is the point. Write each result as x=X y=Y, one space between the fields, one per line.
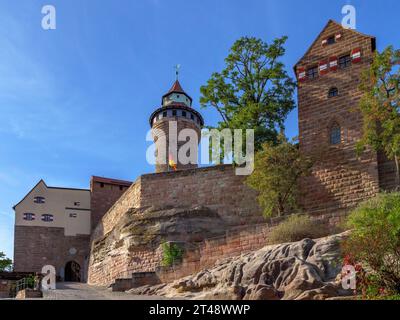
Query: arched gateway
x=72 y=272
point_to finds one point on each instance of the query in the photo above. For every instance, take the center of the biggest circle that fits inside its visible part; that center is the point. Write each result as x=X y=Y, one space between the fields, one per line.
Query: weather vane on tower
x=177 y=68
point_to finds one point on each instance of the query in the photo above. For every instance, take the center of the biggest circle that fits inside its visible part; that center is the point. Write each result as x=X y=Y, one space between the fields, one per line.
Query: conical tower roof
x=177 y=88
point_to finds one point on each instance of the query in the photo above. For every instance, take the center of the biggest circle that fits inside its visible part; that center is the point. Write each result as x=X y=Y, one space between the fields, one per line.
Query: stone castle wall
x=387 y=172
x=207 y=253
x=218 y=188
x=120 y=264
x=103 y=195
x=35 y=247
x=236 y=242
x=129 y=199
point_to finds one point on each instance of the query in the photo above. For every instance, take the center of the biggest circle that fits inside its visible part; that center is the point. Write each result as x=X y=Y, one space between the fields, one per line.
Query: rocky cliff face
x=133 y=244
x=307 y=269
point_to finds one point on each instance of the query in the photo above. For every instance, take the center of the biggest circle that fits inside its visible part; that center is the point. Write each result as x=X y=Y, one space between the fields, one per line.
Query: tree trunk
x=281 y=207
x=397 y=162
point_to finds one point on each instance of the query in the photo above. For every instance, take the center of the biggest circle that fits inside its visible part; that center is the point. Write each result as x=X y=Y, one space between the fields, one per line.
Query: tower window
x=191 y=116
x=164 y=114
x=121 y=188
x=47 y=217
x=39 y=200
x=174 y=113
x=312 y=73
x=101 y=185
x=345 y=61
x=333 y=92
x=29 y=216
x=335 y=135
x=331 y=40
x=183 y=113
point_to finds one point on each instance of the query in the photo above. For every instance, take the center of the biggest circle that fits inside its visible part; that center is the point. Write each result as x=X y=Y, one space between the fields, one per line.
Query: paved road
x=82 y=291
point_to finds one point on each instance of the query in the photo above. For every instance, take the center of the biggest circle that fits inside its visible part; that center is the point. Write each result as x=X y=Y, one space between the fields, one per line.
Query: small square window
x=174 y=113
x=183 y=113
x=29 y=216
x=333 y=92
x=121 y=188
x=331 y=40
x=344 y=61
x=101 y=185
x=73 y=215
x=312 y=73
x=47 y=217
x=39 y=200
x=77 y=203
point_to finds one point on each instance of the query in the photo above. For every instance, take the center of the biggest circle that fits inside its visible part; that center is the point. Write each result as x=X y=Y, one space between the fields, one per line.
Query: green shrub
x=375 y=240
x=172 y=253
x=30 y=281
x=296 y=228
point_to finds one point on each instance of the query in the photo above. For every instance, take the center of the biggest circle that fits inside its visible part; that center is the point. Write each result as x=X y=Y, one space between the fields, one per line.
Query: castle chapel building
x=53 y=226
x=56 y=226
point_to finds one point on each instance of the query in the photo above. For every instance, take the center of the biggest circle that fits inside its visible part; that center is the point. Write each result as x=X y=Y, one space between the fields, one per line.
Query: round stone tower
x=168 y=122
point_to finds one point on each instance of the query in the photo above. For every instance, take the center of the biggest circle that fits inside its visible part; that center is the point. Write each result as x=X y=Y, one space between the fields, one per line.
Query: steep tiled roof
x=330 y=22
x=177 y=88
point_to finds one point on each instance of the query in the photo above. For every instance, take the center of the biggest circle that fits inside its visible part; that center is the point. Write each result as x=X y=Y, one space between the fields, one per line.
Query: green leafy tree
x=5 y=263
x=380 y=106
x=276 y=174
x=253 y=91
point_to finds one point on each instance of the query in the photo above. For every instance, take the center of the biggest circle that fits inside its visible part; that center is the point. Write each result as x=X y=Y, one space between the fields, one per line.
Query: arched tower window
x=335 y=134
x=333 y=92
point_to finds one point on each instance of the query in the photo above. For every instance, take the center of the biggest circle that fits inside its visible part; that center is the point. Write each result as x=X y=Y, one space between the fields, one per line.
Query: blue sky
x=75 y=101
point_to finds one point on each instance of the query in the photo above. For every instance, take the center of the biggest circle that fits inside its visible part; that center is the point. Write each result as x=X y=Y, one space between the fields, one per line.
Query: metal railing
x=26 y=283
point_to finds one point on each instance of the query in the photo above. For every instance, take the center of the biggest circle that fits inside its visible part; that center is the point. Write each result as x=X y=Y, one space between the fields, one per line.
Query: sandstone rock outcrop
x=302 y=270
x=134 y=243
